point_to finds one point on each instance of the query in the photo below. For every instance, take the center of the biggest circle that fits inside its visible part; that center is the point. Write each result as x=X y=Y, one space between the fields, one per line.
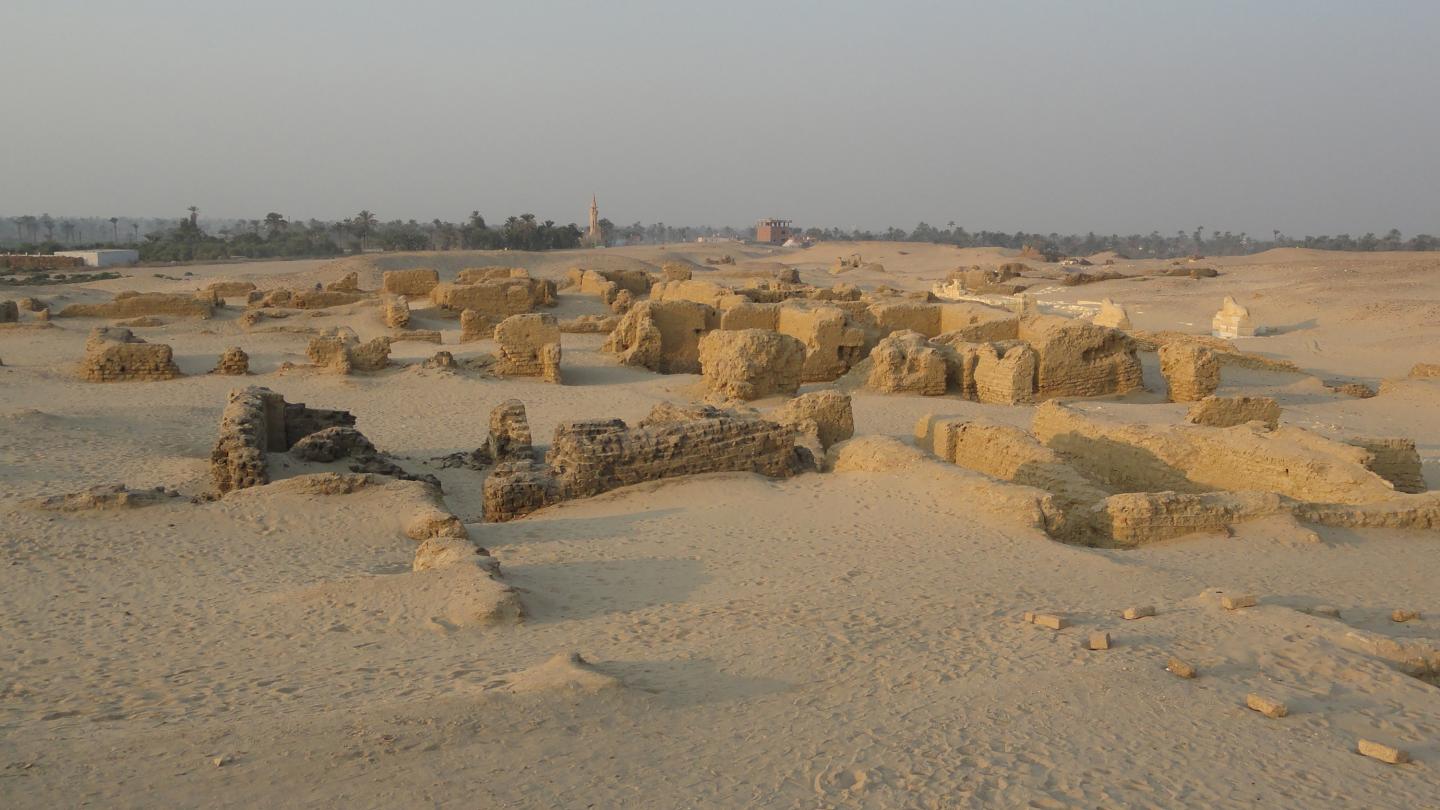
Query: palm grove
x=278 y=236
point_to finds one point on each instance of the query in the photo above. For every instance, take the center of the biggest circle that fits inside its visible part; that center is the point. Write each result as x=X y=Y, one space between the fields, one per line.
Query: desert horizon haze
x=1051 y=116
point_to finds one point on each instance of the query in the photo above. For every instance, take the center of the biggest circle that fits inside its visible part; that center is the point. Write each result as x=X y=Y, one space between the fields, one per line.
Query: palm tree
x=48 y=223
x=115 y=227
x=194 y=214
x=364 y=222
x=134 y=232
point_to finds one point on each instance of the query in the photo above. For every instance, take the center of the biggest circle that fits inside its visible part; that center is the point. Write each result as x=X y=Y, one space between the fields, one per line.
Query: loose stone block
x=1402 y=615
x=1099 y=641
x=1237 y=602
x=1181 y=669
x=1267 y=706
x=1382 y=752
x=1051 y=620
x=1139 y=612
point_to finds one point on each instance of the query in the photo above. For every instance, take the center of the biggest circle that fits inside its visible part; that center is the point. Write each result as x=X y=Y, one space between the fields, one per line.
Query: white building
x=103 y=258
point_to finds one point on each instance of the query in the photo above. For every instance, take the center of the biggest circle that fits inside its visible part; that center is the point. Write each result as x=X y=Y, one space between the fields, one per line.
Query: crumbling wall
x=255 y=422
x=114 y=354
x=663 y=336
x=750 y=363
x=418 y=281
x=1231 y=411
x=233 y=362
x=1112 y=315
x=1136 y=518
x=1004 y=373
x=828 y=414
x=697 y=291
x=905 y=362
x=130 y=304
x=587 y=458
x=1192 y=371
x=1191 y=458
x=1394 y=459
x=1075 y=358
x=528 y=346
x=395 y=311
x=338 y=349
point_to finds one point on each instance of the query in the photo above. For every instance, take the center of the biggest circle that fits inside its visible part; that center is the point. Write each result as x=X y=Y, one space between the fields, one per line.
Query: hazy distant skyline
x=1310 y=117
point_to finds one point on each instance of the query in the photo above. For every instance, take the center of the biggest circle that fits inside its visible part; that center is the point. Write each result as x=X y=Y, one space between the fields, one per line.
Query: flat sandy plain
x=830 y=640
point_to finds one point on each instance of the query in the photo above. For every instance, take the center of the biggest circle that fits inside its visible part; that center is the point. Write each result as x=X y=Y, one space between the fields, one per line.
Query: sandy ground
x=835 y=640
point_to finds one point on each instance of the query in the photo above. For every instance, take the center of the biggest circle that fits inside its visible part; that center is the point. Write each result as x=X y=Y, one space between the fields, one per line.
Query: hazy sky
x=1302 y=115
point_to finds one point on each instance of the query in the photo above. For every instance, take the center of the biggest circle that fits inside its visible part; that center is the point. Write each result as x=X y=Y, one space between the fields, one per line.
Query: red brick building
x=773 y=231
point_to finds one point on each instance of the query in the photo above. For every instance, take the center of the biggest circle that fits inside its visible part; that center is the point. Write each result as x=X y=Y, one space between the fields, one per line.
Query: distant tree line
x=1137 y=246
x=277 y=236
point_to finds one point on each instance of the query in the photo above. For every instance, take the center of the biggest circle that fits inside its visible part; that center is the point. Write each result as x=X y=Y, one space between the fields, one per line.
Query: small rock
x=222 y=760
x=1266 y=706
x=1402 y=615
x=1237 y=602
x=1139 y=612
x=1382 y=752
x=1180 y=668
x=1099 y=641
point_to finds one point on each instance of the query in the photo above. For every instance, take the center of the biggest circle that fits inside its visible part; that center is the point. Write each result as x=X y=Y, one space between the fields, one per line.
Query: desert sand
x=847 y=638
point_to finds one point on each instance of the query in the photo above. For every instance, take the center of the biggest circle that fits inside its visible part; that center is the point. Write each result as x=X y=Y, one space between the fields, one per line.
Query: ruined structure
x=750 y=363
x=1004 y=373
x=495 y=299
x=528 y=346
x=233 y=362
x=1126 y=484
x=831 y=344
x=418 y=281
x=395 y=311
x=257 y=421
x=1074 y=358
x=1231 y=411
x=338 y=349
x=825 y=414
x=509 y=438
x=113 y=354
x=1232 y=321
x=131 y=304
x=590 y=457
x=905 y=362
x=1112 y=315
x=663 y=336
x=1192 y=371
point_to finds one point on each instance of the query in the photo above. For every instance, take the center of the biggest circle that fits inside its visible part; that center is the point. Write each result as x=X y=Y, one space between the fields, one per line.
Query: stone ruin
x=114 y=354
x=350 y=282
x=663 y=336
x=492 y=296
x=131 y=304
x=233 y=362
x=589 y=457
x=831 y=345
x=1050 y=357
x=1233 y=321
x=750 y=363
x=1191 y=370
x=1215 y=411
x=617 y=289
x=257 y=421
x=417 y=281
x=230 y=289
x=906 y=362
x=528 y=346
x=1126 y=484
x=339 y=350
x=1112 y=315
x=395 y=311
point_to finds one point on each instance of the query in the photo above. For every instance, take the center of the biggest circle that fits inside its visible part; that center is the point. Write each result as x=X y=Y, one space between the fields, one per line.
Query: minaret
x=594 y=232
